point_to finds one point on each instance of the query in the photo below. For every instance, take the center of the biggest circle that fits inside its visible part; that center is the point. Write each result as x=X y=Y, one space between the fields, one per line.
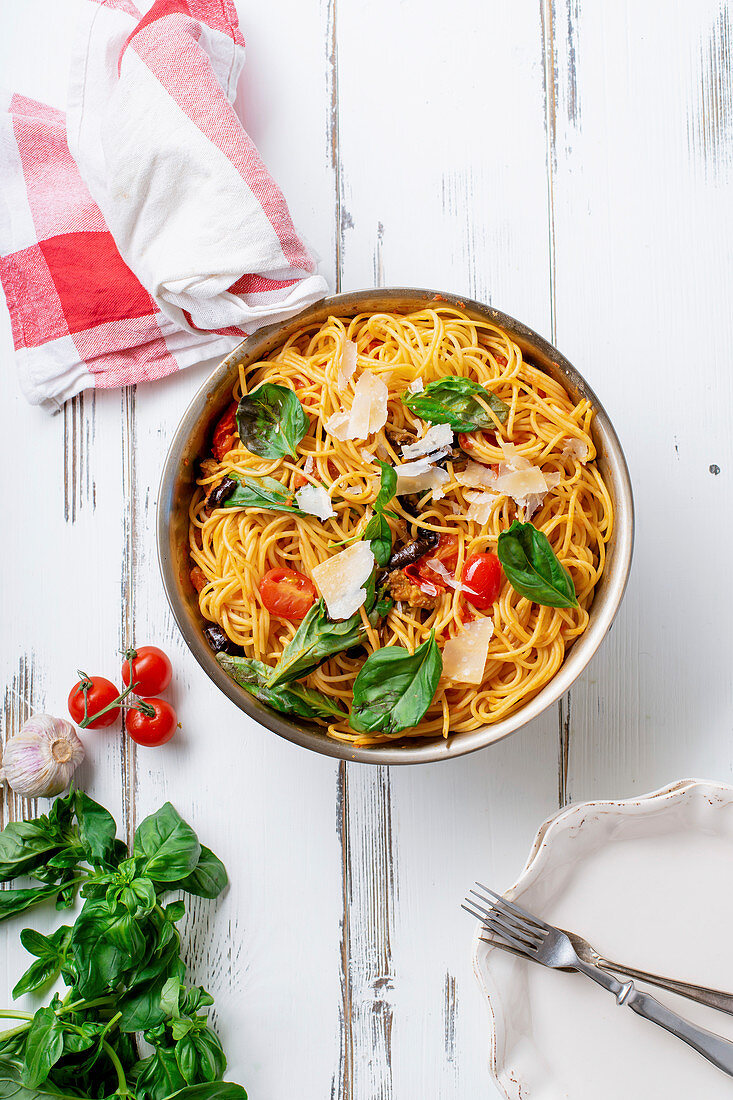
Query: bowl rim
x=423 y=750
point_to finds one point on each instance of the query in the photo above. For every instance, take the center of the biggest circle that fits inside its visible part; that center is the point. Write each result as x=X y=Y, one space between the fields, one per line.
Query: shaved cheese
x=575 y=448
x=347 y=366
x=310 y=465
x=368 y=411
x=339 y=425
x=416 y=477
x=476 y=475
x=315 y=501
x=437 y=566
x=520 y=483
x=340 y=579
x=416 y=386
x=512 y=456
x=367 y=455
x=437 y=438
x=481 y=506
x=464 y=657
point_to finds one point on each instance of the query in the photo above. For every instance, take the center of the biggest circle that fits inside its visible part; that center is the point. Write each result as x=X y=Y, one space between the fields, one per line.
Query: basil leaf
x=394 y=688
x=387 y=487
x=50 y=952
x=159 y=1076
x=97 y=829
x=26 y=846
x=169 y=845
x=453 y=401
x=211 y=1090
x=316 y=639
x=208 y=878
x=532 y=568
x=271 y=421
x=262 y=492
x=12 y=1087
x=293 y=699
x=106 y=942
x=379 y=536
x=17 y=901
x=44 y=1046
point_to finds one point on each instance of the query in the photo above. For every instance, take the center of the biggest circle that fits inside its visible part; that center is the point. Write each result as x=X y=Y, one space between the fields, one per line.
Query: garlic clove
x=41 y=759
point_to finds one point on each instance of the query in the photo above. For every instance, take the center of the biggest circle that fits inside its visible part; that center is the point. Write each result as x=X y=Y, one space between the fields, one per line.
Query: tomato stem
x=84 y=685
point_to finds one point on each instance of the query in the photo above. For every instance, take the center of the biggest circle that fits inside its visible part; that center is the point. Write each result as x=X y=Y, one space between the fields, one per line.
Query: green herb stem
x=8 y=1014
x=121 y=1079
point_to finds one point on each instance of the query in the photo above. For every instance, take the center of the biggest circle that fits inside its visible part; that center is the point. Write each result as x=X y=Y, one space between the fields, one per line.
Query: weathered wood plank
x=644 y=264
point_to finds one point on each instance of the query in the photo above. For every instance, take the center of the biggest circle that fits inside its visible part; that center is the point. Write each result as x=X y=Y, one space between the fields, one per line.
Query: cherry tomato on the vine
x=154 y=728
x=151 y=670
x=100 y=694
x=481 y=574
x=287 y=593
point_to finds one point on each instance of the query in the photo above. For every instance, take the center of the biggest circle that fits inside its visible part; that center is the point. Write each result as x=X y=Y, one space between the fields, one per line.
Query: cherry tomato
x=100 y=694
x=412 y=571
x=198 y=578
x=446 y=552
x=152 y=729
x=482 y=574
x=225 y=433
x=287 y=593
x=151 y=670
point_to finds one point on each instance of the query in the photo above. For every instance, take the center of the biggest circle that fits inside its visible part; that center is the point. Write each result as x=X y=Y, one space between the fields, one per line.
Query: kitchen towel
x=142 y=232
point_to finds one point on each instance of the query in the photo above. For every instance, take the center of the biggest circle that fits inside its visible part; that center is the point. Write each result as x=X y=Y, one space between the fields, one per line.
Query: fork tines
x=507 y=923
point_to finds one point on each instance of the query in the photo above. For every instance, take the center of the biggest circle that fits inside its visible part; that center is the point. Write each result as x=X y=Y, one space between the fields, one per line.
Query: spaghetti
x=232 y=548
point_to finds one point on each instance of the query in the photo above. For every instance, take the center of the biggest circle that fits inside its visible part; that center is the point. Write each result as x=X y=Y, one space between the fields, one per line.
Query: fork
x=713 y=998
x=543 y=943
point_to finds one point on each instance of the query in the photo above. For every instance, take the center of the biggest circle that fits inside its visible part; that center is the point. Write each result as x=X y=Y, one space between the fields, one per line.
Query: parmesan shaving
x=437 y=438
x=416 y=477
x=477 y=476
x=310 y=465
x=368 y=411
x=315 y=501
x=340 y=580
x=367 y=455
x=416 y=386
x=575 y=448
x=347 y=366
x=464 y=657
x=481 y=506
x=437 y=567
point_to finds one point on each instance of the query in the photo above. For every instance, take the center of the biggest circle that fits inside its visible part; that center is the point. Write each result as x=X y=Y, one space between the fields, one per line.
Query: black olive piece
x=412 y=551
x=221 y=492
x=219 y=641
x=355 y=653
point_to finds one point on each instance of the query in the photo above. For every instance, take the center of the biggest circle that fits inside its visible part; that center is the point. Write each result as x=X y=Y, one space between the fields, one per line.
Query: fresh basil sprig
x=316 y=639
x=121 y=961
x=453 y=401
x=293 y=699
x=262 y=492
x=271 y=421
x=532 y=568
x=394 y=688
x=377 y=531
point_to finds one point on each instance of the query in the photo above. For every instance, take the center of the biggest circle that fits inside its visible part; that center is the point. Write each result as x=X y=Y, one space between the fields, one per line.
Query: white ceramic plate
x=649 y=882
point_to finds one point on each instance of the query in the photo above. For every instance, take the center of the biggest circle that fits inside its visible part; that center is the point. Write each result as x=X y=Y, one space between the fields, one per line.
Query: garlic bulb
x=40 y=760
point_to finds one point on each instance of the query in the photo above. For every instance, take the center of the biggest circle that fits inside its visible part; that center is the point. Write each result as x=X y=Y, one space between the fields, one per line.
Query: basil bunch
x=271 y=421
x=532 y=568
x=318 y=638
x=293 y=699
x=261 y=492
x=453 y=401
x=121 y=960
x=394 y=688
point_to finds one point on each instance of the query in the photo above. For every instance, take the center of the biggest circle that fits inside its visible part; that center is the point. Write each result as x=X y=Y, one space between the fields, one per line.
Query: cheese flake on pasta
x=368 y=411
x=464 y=657
x=340 y=579
x=315 y=501
x=347 y=364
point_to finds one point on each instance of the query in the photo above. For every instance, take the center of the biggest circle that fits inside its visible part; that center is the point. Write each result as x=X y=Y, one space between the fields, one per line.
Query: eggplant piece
x=220 y=642
x=413 y=551
x=221 y=492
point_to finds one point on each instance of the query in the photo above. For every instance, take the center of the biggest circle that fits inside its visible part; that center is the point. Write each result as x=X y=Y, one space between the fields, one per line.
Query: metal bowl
x=178 y=481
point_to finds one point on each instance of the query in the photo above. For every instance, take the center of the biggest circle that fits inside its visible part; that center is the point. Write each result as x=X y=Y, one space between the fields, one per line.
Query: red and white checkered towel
x=142 y=233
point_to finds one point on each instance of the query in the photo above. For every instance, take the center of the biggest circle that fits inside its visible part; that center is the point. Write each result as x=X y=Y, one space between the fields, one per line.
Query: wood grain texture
x=570 y=163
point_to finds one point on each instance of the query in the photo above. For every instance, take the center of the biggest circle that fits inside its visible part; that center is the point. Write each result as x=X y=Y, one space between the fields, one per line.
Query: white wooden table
x=570 y=162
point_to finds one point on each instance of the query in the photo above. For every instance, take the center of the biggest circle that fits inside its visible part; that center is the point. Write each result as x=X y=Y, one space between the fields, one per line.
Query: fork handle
x=717 y=1050
x=714 y=998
